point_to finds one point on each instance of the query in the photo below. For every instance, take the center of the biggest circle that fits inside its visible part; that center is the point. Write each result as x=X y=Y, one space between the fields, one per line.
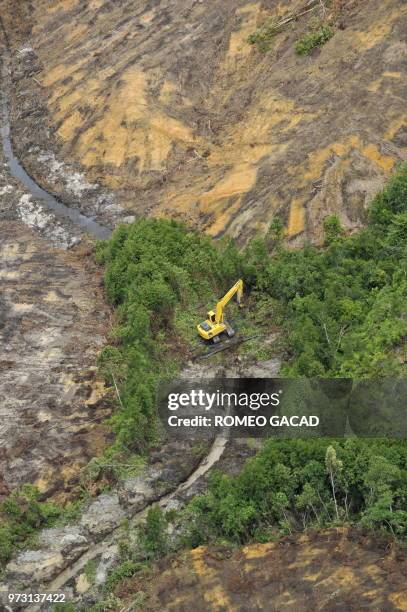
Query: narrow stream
x=17 y=171
x=100 y=232
x=70 y=572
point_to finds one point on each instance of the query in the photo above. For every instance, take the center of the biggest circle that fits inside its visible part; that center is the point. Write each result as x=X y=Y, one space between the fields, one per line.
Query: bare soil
x=53 y=322
x=168 y=106
x=335 y=570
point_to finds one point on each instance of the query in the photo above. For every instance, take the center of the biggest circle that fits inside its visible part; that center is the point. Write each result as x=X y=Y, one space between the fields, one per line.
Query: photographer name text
x=244 y=421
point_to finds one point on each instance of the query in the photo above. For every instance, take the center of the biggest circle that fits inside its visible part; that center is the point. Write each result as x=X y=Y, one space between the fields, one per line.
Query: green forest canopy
x=342 y=307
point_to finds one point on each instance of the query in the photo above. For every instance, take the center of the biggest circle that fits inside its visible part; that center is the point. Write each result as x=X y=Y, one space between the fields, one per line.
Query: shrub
x=22 y=515
x=153 y=536
x=315 y=38
x=332 y=229
x=275 y=233
x=126 y=569
x=263 y=39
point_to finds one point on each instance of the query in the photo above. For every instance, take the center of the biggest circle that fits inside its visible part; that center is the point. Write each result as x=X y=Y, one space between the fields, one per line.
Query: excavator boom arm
x=236 y=289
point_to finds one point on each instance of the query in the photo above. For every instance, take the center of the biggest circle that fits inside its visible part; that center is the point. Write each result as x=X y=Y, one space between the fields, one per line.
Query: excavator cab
x=211 y=316
x=214 y=325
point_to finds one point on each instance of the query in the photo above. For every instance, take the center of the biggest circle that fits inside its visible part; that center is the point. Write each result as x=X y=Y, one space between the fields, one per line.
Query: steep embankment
x=168 y=105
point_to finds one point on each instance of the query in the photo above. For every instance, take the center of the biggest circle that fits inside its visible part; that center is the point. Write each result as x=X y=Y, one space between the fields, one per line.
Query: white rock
x=103 y=515
x=35 y=565
x=109 y=558
x=128 y=219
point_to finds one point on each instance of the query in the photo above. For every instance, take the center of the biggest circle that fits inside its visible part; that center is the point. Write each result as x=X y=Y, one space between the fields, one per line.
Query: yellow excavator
x=215 y=325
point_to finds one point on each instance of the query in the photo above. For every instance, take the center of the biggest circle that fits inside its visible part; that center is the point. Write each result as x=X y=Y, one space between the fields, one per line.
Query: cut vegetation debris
x=319 y=34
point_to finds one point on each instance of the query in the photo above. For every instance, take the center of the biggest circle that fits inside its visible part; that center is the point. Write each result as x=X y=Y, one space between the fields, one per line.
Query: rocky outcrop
x=136 y=490
x=103 y=515
x=60 y=559
x=57 y=548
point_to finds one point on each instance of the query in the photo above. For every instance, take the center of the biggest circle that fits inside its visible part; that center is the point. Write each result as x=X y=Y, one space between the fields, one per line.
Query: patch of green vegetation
x=294 y=484
x=199 y=449
x=90 y=570
x=110 y=604
x=141 y=546
x=341 y=308
x=126 y=569
x=111 y=467
x=314 y=38
x=262 y=313
x=332 y=229
x=158 y=276
x=22 y=515
x=153 y=536
x=263 y=37
x=65 y=607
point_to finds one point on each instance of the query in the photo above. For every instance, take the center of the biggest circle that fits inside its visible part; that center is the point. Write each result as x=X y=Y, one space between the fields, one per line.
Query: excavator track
x=223 y=346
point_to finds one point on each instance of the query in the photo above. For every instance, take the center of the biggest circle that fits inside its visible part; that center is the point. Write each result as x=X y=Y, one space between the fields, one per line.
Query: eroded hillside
x=357 y=572
x=169 y=106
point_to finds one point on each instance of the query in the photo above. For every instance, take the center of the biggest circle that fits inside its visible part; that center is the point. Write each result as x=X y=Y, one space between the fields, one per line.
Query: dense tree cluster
x=153 y=266
x=294 y=484
x=344 y=306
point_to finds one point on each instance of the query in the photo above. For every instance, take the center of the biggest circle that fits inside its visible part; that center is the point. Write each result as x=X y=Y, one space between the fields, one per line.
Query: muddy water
x=64 y=397
x=18 y=172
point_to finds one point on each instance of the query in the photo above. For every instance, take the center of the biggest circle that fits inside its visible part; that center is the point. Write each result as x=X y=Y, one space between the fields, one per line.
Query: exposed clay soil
x=53 y=322
x=167 y=105
x=335 y=570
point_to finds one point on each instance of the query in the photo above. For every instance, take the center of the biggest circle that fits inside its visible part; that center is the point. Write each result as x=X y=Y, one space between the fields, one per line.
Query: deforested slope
x=170 y=106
